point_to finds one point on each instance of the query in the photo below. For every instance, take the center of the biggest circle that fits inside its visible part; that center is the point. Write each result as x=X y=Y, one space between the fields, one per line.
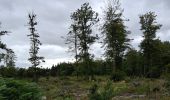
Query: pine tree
x=115 y=34
x=149 y=27
x=35 y=43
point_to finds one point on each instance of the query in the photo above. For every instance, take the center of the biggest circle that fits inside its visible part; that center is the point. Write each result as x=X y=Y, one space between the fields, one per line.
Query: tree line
x=121 y=58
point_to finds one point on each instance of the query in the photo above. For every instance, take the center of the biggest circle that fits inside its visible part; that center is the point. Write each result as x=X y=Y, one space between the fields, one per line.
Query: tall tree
x=35 y=59
x=149 y=27
x=2 y=45
x=84 y=19
x=72 y=40
x=114 y=33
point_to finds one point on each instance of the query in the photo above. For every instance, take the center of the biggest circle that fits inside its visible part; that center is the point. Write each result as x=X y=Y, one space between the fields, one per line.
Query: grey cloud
x=54 y=51
x=53 y=18
x=48 y=51
x=132 y=10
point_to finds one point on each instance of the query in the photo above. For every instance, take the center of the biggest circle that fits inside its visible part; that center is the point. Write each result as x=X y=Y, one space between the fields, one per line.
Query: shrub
x=11 y=89
x=94 y=95
x=106 y=93
x=118 y=76
x=166 y=76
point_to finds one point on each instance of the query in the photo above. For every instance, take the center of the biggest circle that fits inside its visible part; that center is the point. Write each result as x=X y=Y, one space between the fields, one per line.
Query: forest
x=123 y=73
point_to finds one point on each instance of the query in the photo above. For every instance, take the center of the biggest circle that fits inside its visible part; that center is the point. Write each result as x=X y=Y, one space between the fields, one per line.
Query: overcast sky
x=53 y=18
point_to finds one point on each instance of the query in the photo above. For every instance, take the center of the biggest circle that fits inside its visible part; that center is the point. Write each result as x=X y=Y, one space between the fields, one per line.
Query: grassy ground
x=71 y=88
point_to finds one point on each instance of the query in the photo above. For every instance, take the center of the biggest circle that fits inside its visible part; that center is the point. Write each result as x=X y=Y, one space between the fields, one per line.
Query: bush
x=166 y=76
x=94 y=95
x=106 y=93
x=11 y=89
x=118 y=76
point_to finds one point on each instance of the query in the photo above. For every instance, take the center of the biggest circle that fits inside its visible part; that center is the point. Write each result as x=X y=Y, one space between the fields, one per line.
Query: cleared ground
x=72 y=88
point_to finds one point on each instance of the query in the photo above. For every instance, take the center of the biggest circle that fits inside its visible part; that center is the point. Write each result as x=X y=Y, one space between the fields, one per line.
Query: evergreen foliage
x=35 y=42
x=11 y=89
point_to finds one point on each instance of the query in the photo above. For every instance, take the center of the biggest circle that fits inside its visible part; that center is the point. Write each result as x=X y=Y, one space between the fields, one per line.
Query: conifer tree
x=35 y=59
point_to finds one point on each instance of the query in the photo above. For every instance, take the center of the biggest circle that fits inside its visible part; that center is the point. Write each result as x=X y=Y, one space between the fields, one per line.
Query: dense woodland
x=121 y=59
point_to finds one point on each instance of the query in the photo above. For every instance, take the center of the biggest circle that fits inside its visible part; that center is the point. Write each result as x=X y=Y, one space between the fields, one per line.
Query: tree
x=149 y=27
x=84 y=18
x=114 y=33
x=165 y=52
x=72 y=40
x=133 y=63
x=10 y=58
x=160 y=58
x=35 y=43
x=2 y=45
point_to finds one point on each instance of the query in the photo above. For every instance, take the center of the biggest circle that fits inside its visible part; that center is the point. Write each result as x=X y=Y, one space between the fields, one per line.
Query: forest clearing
x=84 y=50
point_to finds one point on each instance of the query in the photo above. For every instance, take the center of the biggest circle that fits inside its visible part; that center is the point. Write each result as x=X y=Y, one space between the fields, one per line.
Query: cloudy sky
x=53 y=18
